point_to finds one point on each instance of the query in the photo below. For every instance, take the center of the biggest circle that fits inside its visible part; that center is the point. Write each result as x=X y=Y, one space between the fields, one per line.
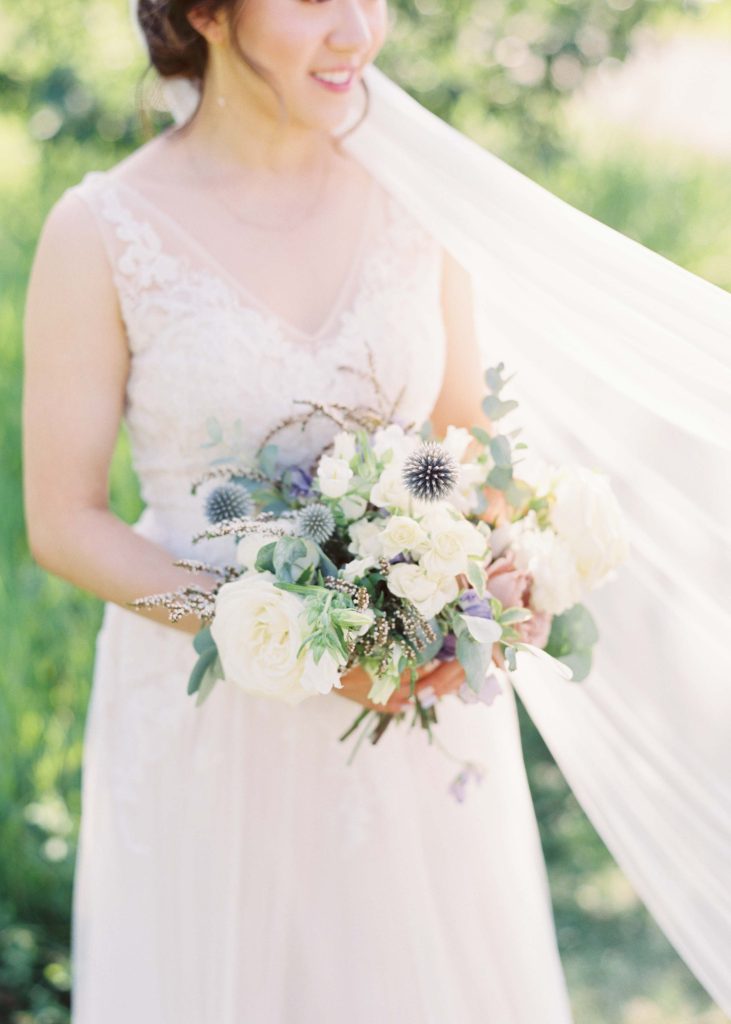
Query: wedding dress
x=232 y=868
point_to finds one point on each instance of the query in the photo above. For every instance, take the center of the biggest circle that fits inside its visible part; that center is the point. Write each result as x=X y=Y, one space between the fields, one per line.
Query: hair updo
x=175 y=47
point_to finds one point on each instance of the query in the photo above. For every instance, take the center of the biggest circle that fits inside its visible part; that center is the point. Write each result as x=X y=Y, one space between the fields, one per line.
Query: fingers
x=447 y=678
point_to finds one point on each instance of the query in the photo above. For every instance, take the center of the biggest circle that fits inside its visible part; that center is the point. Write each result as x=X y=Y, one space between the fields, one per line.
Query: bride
x=286 y=243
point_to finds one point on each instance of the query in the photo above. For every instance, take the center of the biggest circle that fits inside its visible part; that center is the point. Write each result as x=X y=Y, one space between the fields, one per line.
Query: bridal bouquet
x=383 y=553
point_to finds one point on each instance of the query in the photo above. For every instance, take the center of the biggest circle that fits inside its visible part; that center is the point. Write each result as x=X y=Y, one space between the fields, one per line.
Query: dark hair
x=177 y=48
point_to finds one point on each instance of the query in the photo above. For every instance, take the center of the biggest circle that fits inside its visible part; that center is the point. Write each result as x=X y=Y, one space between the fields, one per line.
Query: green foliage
x=572 y=636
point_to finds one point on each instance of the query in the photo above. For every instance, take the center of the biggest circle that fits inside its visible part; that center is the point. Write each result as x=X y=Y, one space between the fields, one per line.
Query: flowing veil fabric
x=621 y=362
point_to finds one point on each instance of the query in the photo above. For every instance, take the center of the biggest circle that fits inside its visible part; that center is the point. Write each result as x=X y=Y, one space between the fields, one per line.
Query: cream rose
x=588 y=517
x=393 y=437
x=333 y=476
x=402 y=534
x=549 y=560
x=428 y=593
x=365 y=538
x=452 y=540
x=258 y=629
x=389 y=491
x=344 y=445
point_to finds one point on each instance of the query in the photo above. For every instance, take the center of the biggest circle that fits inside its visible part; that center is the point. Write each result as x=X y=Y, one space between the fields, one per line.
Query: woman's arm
x=463 y=388
x=76 y=367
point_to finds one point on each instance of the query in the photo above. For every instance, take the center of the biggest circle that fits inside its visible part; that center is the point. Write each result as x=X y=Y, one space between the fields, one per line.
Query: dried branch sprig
x=361 y=416
x=226 y=473
x=242 y=524
x=361 y=597
x=181 y=602
x=387 y=411
x=226 y=572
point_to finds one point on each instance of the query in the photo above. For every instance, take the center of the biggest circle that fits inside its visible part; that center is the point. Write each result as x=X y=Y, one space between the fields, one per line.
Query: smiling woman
x=231 y=866
x=178 y=34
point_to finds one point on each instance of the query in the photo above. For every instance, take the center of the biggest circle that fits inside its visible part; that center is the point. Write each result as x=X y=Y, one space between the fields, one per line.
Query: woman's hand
x=444 y=677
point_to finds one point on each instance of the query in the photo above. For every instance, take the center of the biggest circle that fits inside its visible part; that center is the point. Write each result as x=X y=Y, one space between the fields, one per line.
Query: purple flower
x=398 y=558
x=458 y=786
x=472 y=604
x=299 y=482
x=448 y=650
x=490 y=688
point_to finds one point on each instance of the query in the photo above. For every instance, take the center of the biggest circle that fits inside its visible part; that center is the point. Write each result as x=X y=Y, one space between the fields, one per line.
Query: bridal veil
x=622 y=363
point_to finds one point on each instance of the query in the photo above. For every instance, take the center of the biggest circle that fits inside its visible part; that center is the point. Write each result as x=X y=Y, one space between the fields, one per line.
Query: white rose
x=353 y=505
x=389 y=491
x=321 y=677
x=333 y=476
x=428 y=593
x=548 y=558
x=252 y=542
x=402 y=534
x=457 y=441
x=344 y=445
x=465 y=497
x=357 y=568
x=394 y=438
x=452 y=540
x=258 y=629
x=587 y=515
x=365 y=537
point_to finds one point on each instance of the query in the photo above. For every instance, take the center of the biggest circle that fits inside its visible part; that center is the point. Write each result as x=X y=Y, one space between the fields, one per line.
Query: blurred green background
x=539 y=83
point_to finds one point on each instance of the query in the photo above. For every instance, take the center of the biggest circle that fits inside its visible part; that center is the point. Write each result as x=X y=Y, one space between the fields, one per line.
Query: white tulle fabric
x=232 y=867
x=623 y=363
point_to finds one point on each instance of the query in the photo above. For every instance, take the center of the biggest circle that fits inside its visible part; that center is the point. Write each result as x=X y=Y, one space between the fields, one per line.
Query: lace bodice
x=213 y=371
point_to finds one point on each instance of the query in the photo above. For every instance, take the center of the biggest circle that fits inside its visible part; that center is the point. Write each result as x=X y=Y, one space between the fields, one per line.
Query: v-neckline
x=340 y=303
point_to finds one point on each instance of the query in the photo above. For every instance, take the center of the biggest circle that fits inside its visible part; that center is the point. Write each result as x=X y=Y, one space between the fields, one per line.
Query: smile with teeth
x=333 y=77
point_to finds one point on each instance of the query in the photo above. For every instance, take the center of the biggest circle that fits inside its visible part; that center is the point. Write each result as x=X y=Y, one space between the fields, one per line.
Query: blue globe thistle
x=228 y=501
x=430 y=472
x=316 y=522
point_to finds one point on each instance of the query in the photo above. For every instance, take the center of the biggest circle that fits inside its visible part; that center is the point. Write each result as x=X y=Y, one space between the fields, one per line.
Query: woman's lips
x=334 y=86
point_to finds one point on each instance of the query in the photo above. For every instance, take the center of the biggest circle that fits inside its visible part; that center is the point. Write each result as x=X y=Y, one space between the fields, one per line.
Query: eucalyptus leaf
x=495 y=408
x=267 y=459
x=518 y=492
x=474 y=659
x=511 y=615
x=476 y=576
x=482 y=435
x=205 y=661
x=484 y=631
x=265 y=557
x=501 y=451
x=572 y=630
x=203 y=640
x=499 y=477
x=211 y=676
x=293 y=556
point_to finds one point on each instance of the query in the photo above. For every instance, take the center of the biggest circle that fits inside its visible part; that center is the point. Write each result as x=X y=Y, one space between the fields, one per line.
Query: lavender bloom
x=398 y=558
x=299 y=481
x=458 y=786
x=490 y=688
x=448 y=650
x=472 y=604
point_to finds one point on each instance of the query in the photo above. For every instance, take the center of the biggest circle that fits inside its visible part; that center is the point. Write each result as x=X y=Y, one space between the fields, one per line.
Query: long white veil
x=622 y=363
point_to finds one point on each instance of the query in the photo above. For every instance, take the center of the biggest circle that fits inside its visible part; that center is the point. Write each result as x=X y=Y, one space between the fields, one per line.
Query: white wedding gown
x=232 y=868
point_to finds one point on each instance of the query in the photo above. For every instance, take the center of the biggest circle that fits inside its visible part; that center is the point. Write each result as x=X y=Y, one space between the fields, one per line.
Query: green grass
x=621 y=970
